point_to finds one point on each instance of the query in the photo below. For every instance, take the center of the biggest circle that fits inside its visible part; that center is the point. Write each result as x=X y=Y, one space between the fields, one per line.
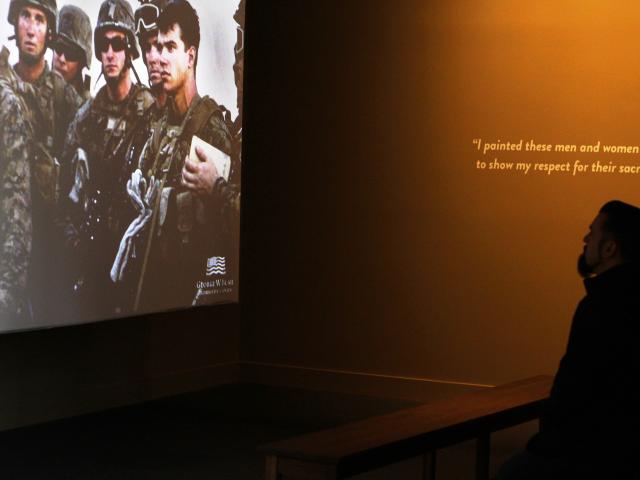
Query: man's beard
x=584 y=269
x=113 y=81
x=156 y=88
x=29 y=58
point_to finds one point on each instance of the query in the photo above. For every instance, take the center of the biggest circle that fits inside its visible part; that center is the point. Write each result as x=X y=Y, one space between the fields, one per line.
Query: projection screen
x=120 y=158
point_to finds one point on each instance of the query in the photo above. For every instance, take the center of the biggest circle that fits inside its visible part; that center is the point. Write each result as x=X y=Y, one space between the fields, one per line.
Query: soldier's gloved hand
x=199 y=175
x=81 y=176
x=143 y=199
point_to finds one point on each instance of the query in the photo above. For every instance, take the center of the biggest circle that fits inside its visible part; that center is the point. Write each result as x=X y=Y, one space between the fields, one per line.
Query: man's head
x=178 y=43
x=72 y=47
x=613 y=239
x=146 y=23
x=113 y=55
x=114 y=39
x=34 y=23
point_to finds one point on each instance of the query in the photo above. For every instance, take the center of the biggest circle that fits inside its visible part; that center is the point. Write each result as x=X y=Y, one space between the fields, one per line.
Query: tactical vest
x=25 y=93
x=235 y=129
x=48 y=138
x=107 y=125
x=179 y=216
x=40 y=105
x=172 y=144
x=103 y=133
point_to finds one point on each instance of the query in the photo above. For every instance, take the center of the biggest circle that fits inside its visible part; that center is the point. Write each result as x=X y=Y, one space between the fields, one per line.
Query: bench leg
x=429 y=466
x=483 y=451
x=271 y=464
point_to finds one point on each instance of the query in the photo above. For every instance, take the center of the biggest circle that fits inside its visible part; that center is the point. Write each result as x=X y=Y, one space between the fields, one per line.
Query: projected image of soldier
x=15 y=201
x=146 y=21
x=125 y=269
x=51 y=104
x=184 y=231
x=95 y=173
x=200 y=175
x=72 y=49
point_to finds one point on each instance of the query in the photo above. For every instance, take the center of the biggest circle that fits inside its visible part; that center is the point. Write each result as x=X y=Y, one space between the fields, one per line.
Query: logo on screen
x=216 y=266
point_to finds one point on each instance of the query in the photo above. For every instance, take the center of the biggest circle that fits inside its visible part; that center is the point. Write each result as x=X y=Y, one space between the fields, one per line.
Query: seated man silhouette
x=591 y=427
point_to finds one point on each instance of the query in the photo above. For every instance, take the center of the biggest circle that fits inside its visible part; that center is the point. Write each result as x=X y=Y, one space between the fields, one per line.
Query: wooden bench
x=418 y=431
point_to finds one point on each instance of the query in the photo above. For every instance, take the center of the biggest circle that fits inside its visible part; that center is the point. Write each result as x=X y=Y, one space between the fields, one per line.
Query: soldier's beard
x=114 y=80
x=30 y=59
x=156 y=88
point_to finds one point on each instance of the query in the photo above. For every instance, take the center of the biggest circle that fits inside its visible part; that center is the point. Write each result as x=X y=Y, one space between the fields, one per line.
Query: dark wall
x=369 y=243
x=49 y=374
x=335 y=109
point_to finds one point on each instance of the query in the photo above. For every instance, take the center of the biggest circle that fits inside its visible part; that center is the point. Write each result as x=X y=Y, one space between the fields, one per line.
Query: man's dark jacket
x=594 y=408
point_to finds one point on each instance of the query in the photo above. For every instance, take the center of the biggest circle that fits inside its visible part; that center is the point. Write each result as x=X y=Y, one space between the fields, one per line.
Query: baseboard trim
x=26 y=408
x=352 y=382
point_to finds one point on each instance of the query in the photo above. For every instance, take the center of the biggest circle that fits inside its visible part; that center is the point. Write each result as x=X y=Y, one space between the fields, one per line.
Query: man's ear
x=192 y=56
x=610 y=248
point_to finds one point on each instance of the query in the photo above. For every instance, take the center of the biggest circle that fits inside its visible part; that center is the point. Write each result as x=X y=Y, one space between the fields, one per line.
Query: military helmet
x=74 y=27
x=116 y=15
x=146 y=17
x=49 y=7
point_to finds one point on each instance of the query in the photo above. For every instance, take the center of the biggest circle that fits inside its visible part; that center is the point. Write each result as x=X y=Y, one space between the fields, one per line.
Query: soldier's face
x=68 y=69
x=113 y=55
x=176 y=61
x=31 y=33
x=151 y=53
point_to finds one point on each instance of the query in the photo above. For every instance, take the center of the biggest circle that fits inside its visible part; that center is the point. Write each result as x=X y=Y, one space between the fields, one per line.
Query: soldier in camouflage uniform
x=94 y=169
x=177 y=230
x=145 y=19
x=72 y=50
x=51 y=110
x=200 y=175
x=15 y=200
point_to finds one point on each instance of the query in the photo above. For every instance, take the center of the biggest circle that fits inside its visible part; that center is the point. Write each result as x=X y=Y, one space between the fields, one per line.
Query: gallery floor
x=209 y=435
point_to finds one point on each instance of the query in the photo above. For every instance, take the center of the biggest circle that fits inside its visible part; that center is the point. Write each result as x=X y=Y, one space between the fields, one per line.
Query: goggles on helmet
x=146 y=18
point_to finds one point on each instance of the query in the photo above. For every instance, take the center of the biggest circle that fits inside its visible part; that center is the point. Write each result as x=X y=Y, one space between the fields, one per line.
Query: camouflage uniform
x=94 y=172
x=58 y=103
x=15 y=199
x=51 y=105
x=186 y=230
x=52 y=110
x=100 y=130
x=55 y=107
x=74 y=29
x=227 y=193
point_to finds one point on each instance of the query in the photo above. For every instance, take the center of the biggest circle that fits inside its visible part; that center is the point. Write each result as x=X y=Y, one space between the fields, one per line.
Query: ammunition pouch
x=46 y=171
x=185 y=215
